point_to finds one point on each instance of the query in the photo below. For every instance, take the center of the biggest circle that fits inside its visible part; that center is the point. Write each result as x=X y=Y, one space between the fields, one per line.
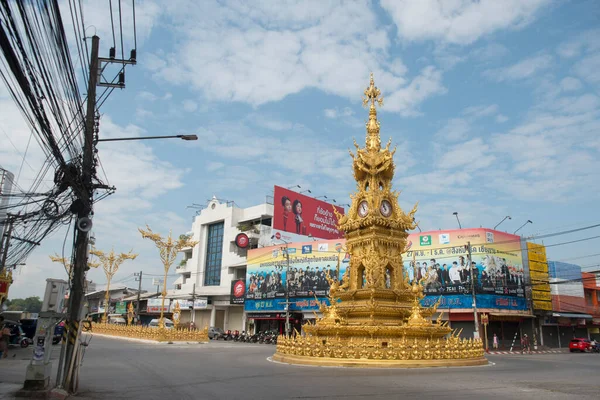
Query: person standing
x=4 y=338
x=495 y=342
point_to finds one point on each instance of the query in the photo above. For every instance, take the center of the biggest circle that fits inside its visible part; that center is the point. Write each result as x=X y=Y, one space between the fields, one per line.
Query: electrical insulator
x=112 y=53
x=133 y=55
x=121 y=78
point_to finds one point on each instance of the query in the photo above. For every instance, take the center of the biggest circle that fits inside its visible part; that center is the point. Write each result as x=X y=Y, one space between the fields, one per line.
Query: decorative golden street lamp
x=67 y=264
x=168 y=250
x=111 y=264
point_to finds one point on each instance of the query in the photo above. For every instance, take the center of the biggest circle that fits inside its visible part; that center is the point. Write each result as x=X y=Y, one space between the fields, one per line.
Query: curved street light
x=505 y=218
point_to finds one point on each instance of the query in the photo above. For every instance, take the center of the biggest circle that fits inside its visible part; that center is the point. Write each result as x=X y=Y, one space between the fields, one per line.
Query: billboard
x=199 y=304
x=154 y=305
x=498 y=272
x=538 y=271
x=296 y=216
x=441 y=257
x=309 y=263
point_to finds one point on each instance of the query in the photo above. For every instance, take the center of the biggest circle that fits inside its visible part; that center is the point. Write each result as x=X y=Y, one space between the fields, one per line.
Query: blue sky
x=493 y=105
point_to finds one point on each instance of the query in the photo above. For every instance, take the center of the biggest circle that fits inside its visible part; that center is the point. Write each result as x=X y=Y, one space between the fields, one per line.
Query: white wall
x=232 y=256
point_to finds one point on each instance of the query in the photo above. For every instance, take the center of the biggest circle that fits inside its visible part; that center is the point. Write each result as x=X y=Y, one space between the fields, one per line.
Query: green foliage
x=30 y=304
x=185 y=237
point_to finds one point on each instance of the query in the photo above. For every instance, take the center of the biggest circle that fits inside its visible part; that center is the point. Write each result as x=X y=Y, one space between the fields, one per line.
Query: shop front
x=262 y=322
x=559 y=328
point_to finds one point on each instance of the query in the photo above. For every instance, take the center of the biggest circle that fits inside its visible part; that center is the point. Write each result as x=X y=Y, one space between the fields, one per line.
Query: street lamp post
x=182 y=137
x=456 y=214
x=287 y=287
x=168 y=250
x=111 y=263
x=505 y=218
x=528 y=222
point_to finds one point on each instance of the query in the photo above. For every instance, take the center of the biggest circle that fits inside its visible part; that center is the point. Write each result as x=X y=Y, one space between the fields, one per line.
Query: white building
x=209 y=268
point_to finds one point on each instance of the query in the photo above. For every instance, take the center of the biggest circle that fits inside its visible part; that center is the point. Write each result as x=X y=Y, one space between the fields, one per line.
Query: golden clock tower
x=375 y=318
x=376 y=227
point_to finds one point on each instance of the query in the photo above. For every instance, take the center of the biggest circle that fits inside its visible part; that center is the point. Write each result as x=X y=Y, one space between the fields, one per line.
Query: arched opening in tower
x=389 y=277
x=361 y=277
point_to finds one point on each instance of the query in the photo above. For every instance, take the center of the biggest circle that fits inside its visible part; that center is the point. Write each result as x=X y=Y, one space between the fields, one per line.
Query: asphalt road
x=118 y=369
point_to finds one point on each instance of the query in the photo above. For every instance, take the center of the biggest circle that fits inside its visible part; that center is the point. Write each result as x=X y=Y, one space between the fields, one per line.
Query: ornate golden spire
x=373 y=95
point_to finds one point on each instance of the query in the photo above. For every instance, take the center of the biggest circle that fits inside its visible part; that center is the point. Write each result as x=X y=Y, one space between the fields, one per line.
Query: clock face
x=385 y=208
x=363 y=208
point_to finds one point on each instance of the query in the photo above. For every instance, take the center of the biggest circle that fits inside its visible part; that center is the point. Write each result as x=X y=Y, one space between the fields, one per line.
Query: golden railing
x=152 y=333
x=452 y=348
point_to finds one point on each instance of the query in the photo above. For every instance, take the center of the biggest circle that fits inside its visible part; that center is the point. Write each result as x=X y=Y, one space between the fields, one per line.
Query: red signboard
x=297 y=215
x=242 y=241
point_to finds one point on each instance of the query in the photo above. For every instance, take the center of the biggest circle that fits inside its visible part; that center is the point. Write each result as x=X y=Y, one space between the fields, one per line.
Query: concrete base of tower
x=371 y=363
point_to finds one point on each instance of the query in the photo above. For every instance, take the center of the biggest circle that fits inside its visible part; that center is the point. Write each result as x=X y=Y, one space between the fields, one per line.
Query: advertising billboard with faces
x=296 y=217
x=309 y=263
x=441 y=258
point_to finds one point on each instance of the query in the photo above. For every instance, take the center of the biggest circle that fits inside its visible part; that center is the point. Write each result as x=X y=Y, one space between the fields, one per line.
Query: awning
x=570 y=315
x=522 y=315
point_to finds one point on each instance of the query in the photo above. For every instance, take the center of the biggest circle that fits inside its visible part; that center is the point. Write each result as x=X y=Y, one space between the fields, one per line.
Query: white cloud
x=190 y=105
x=589 y=68
x=337 y=113
x=586 y=41
x=570 y=84
x=455 y=129
x=521 y=70
x=501 y=118
x=266 y=52
x=459 y=22
x=489 y=52
x=481 y=111
x=405 y=100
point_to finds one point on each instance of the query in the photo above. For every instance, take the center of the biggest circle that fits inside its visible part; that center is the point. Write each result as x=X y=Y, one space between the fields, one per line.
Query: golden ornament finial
x=373 y=95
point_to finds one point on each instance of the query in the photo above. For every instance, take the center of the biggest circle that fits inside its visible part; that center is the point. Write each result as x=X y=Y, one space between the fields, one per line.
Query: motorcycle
x=236 y=336
x=17 y=336
x=227 y=335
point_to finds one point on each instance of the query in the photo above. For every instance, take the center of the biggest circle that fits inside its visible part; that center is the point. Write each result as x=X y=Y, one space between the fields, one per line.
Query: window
x=214 y=255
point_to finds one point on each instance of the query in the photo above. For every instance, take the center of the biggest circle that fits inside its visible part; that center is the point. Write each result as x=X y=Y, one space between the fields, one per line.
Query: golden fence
x=374 y=349
x=152 y=333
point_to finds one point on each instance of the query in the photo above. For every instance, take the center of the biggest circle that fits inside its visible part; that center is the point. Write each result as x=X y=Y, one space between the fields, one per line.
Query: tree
x=30 y=304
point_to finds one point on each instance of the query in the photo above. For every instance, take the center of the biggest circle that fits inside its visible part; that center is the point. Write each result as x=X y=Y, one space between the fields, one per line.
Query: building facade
x=591 y=292
x=569 y=317
x=207 y=271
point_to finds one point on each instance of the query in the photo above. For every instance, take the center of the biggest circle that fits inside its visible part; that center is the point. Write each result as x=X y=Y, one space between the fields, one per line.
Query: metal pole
x=287 y=292
x=81 y=242
x=193 y=305
x=107 y=298
x=473 y=292
x=137 y=308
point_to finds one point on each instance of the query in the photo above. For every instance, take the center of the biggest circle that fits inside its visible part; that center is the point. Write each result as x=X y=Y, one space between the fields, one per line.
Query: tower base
x=370 y=363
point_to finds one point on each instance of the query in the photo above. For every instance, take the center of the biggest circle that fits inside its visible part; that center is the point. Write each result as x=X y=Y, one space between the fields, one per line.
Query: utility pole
x=137 y=307
x=476 y=319
x=85 y=197
x=5 y=243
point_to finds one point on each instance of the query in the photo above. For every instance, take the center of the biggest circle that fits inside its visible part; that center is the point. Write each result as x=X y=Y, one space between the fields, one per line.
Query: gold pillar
x=168 y=250
x=111 y=263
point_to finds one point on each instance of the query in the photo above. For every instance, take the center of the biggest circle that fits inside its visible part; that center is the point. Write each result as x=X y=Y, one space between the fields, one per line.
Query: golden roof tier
x=375 y=318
